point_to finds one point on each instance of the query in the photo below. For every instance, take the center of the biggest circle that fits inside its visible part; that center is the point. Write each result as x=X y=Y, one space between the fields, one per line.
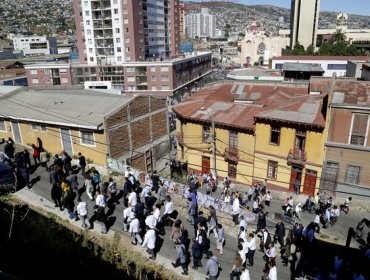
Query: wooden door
x=206 y=163
x=310 y=182
x=296 y=174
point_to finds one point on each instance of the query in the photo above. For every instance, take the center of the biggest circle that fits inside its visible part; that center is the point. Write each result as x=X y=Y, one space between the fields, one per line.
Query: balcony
x=231 y=155
x=297 y=156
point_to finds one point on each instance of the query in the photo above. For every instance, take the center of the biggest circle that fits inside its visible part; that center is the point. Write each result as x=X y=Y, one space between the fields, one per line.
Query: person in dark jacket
x=196 y=251
x=100 y=218
x=56 y=194
x=58 y=162
x=261 y=223
x=69 y=203
x=67 y=163
x=9 y=148
x=280 y=233
x=82 y=163
x=155 y=180
x=127 y=187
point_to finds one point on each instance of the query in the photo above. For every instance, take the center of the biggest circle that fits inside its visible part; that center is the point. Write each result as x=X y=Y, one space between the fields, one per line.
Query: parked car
x=8 y=178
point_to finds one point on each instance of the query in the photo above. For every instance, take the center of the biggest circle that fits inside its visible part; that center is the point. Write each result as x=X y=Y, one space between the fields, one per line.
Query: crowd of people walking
x=149 y=212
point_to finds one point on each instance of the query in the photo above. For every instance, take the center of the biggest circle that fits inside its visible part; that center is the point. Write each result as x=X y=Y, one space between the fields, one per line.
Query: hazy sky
x=360 y=7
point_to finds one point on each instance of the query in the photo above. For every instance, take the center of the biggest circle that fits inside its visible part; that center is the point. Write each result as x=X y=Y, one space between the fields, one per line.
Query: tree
x=339 y=36
x=310 y=50
x=298 y=49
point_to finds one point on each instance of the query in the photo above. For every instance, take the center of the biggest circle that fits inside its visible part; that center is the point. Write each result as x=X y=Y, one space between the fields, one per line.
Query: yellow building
x=97 y=124
x=261 y=132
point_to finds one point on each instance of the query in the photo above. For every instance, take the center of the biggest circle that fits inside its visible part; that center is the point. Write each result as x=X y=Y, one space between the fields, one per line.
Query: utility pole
x=214 y=150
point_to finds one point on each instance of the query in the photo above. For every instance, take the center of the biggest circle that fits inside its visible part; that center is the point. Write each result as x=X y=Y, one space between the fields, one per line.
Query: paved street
x=42 y=187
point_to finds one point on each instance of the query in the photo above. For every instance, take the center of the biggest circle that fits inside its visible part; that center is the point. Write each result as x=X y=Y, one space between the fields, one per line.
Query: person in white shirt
x=149 y=242
x=127 y=172
x=134 y=230
x=158 y=218
x=242 y=234
x=89 y=187
x=268 y=199
x=236 y=209
x=100 y=199
x=256 y=205
x=298 y=210
x=334 y=215
x=132 y=198
x=150 y=221
x=244 y=249
x=82 y=214
x=272 y=274
x=245 y=274
x=242 y=253
x=168 y=210
x=126 y=218
x=242 y=222
x=270 y=253
x=220 y=239
x=251 y=243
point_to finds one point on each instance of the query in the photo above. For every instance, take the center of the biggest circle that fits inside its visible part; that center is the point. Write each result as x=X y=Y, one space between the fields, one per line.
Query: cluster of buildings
x=131 y=46
x=316 y=134
x=257 y=47
x=111 y=104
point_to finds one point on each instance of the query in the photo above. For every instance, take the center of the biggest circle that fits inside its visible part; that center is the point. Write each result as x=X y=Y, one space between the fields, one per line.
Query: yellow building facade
x=53 y=142
x=283 y=143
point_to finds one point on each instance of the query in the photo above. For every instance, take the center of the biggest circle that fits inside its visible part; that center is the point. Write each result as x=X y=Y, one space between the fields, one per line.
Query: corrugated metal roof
x=319 y=57
x=76 y=108
x=302 y=67
x=284 y=103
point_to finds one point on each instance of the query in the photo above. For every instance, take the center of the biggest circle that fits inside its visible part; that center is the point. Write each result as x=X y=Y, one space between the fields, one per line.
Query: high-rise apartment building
x=127 y=45
x=117 y=31
x=200 y=25
x=304 y=22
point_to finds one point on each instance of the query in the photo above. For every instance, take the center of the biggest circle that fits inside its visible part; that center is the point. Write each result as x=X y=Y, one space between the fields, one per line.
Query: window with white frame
x=164 y=68
x=87 y=138
x=35 y=81
x=43 y=128
x=2 y=125
x=154 y=87
x=353 y=174
x=359 y=129
x=272 y=169
x=33 y=71
x=152 y=68
x=164 y=78
x=165 y=88
x=131 y=79
x=130 y=69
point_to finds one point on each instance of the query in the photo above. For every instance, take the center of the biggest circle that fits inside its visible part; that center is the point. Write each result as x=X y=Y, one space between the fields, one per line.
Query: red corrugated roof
x=237 y=105
x=319 y=57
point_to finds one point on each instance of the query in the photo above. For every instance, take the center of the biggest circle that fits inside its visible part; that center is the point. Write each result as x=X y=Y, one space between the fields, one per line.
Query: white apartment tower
x=200 y=25
x=117 y=31
x=304 y=22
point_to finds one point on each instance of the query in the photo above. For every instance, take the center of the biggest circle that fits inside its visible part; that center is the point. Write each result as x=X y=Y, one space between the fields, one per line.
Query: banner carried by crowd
x=182 y=190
